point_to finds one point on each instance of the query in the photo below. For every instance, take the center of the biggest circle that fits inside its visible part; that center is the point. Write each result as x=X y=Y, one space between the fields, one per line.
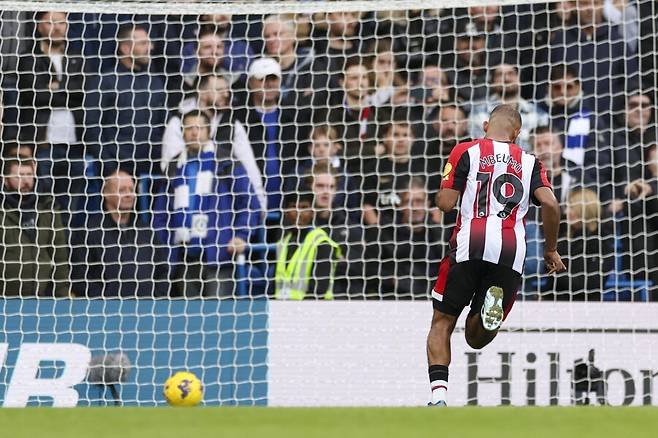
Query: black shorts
x=467 y=282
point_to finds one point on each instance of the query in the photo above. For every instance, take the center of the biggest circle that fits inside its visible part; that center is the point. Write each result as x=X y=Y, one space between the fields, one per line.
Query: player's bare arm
x=550 y=215
x=447 y=199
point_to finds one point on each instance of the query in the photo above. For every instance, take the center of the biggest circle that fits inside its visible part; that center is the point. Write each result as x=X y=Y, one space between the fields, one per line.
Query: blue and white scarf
x=194 y=194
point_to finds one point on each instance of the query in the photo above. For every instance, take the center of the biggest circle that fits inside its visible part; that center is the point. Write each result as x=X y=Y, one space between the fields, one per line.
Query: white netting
x=229 y=113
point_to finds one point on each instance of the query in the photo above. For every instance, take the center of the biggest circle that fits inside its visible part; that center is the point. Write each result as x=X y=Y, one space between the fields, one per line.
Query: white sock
x=439 y=390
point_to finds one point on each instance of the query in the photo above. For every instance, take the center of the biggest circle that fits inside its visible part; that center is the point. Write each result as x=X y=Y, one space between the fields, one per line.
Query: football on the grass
x=183 y=389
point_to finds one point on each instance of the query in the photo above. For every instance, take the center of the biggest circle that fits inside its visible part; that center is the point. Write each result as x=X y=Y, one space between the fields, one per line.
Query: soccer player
x=496 y=180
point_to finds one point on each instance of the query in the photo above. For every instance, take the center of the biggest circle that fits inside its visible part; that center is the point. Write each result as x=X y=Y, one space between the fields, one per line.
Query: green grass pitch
x=508 y=422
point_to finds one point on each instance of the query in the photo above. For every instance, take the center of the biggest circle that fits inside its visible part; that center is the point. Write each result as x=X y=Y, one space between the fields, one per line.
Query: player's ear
x=485 y=125
x=516 y=134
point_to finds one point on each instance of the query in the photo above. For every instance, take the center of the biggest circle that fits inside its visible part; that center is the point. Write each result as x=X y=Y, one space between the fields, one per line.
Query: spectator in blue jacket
x=115 y=254
x=131 y=106
x=208 y=215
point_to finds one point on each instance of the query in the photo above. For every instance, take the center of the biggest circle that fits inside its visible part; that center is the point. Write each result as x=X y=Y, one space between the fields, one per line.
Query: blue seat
x=619 y=286
x=92 y=201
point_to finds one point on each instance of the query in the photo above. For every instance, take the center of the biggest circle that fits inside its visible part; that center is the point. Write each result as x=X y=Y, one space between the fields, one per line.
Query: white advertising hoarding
x=373 y=354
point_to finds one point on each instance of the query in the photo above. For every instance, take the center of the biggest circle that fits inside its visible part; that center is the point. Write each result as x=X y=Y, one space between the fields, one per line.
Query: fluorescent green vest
x=292 y=277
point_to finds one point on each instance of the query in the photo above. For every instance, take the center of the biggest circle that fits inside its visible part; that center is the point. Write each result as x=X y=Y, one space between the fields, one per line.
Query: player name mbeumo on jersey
x=490 y=160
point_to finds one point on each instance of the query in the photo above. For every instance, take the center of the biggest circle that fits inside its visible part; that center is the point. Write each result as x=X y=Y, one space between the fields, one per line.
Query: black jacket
x=350 y=268
x=36 y=99
x=589 y=257
x=404 y=264
x=113 y=261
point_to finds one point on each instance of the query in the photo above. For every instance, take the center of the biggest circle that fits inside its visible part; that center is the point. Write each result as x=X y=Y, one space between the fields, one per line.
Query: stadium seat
x=619 y=286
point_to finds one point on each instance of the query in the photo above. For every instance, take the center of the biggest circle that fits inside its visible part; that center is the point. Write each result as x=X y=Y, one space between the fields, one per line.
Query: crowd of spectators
x=158 y=155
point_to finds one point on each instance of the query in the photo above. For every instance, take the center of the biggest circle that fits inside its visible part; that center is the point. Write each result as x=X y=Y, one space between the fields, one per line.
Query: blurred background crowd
x=299 y=156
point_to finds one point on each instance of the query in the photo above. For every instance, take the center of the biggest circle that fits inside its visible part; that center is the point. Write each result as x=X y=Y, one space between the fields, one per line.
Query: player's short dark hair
x=508 y=112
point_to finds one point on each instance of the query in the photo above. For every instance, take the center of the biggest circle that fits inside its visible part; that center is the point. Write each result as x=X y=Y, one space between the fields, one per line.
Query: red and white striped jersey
x=497 y=180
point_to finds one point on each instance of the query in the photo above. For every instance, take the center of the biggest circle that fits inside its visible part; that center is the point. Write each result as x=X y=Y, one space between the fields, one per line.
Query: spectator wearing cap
x=115 y=254
x=208 y=215
x=273 y=129
x=34 y=255
x=226 y=131
x=598 y=48
x=50 y=105
x=130 y=104
x=304 y=76
x=506 y=89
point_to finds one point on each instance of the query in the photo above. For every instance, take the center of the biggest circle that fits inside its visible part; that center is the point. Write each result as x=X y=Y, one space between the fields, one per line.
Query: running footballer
x=496 y=180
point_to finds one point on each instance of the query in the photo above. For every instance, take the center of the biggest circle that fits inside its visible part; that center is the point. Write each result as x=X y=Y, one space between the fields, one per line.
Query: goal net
x=248 y=190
